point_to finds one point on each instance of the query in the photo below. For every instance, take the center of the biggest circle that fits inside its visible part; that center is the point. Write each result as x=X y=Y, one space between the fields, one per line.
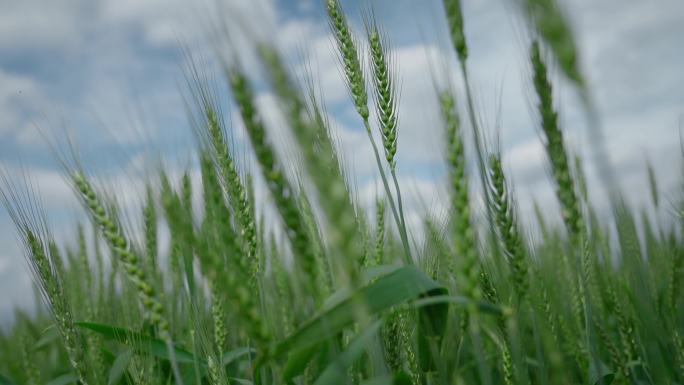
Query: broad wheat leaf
x=139 y=341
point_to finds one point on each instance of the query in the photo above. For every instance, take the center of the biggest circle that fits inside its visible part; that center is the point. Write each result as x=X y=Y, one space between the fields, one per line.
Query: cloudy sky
x=109 y=74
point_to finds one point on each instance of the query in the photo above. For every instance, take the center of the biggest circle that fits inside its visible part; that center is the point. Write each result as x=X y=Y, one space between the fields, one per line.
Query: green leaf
x=119 y=366
x=337 y=371
x=189 y=375
x=367 y=276
x=373 y=272
x=601 y=375
x=232 y=355
x=64 y=379
x=49 y=335
x=398 y=378
x=240 y=381
x=401 y=378
x=138 y=341
x=402 y=285
x=298 y=360
x=4 y=380
x=380 y=380
x=639 y=372
x=483 y=306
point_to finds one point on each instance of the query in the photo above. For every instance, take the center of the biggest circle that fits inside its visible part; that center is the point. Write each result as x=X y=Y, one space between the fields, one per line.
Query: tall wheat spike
x=280 y=188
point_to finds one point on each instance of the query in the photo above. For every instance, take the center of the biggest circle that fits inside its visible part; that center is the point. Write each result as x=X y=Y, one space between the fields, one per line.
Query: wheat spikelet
x=223 y=265
x=278 y=185
x=379 y=250
x=555 y=147
x=113 y=234
x=385 y=92
x=507 y=226
x=553 y=27
x=46 y=268
x=311 y=131
x=239 y=199
x=464 y=233
x=349 y=56
x=452 y=9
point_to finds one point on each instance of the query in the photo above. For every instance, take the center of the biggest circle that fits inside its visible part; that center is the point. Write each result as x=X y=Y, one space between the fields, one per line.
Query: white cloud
x=33 y=24
x=16 y=92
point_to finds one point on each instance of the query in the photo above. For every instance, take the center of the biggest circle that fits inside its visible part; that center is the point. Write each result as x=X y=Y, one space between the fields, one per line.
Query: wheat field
x=324 y=291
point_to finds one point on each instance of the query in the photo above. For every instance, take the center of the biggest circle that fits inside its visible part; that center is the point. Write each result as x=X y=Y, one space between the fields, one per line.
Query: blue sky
x=108 y=73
